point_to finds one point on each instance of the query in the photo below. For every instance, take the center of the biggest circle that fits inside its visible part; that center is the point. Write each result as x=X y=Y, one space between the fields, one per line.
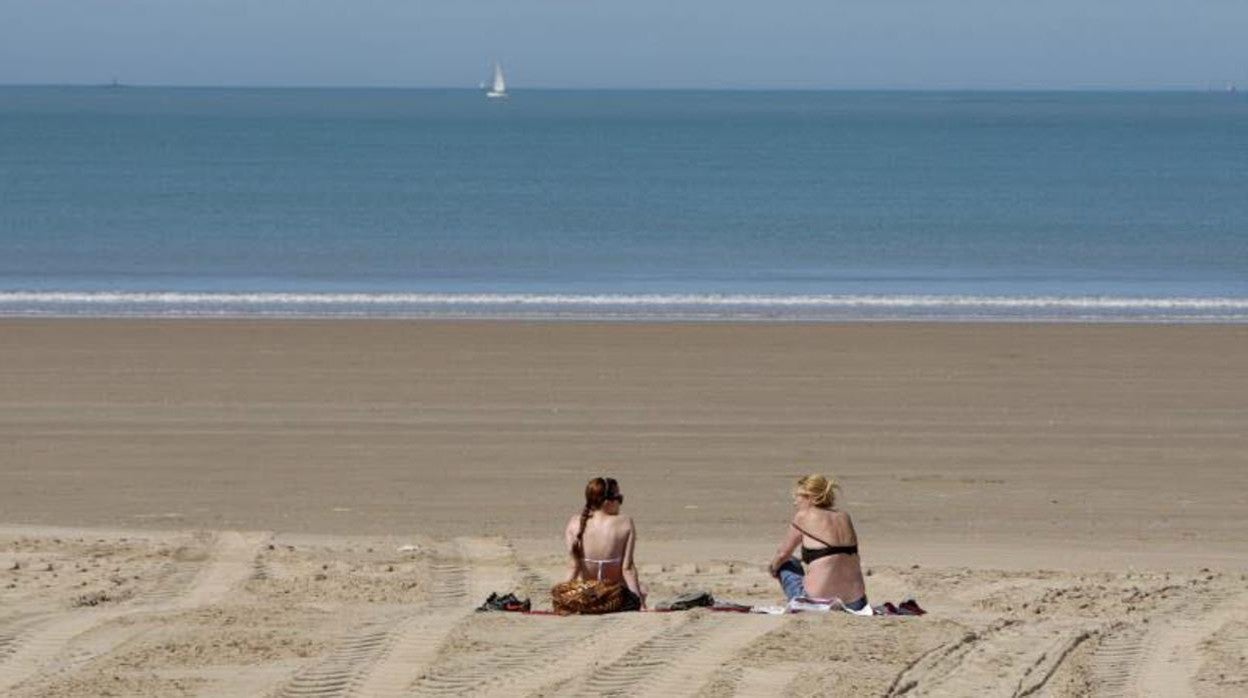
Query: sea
x=624 y=205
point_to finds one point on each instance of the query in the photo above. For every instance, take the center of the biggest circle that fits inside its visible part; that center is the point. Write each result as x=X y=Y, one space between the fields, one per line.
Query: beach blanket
x=593 y=597
x=805 y=604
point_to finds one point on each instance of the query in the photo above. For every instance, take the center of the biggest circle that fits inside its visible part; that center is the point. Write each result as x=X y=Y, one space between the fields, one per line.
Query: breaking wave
x=624 y=306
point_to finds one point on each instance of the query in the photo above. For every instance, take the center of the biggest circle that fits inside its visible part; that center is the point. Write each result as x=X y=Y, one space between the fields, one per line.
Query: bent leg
x=792 y=579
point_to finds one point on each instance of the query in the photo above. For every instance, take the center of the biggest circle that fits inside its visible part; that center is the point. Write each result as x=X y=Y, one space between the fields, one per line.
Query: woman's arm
x=792 y=539
x=569 y=538
x=628 y=569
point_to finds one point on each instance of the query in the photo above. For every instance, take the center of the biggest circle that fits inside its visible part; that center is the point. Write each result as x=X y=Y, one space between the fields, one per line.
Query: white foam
x=848 y=301
x=179 y=303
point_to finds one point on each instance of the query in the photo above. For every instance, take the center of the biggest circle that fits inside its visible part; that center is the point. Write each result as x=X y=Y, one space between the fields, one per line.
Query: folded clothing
x=684 y=602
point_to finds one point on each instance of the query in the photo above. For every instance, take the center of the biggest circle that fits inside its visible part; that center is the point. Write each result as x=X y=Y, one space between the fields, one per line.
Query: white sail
x=499 y=87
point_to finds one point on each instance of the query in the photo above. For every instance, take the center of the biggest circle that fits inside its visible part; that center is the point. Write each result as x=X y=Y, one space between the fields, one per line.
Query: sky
x=734 y=44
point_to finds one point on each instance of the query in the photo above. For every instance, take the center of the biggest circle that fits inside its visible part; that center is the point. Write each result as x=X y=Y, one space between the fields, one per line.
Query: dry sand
x=313 y=508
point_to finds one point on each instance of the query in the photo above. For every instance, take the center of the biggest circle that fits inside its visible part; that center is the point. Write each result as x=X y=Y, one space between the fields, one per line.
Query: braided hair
x=598 y=491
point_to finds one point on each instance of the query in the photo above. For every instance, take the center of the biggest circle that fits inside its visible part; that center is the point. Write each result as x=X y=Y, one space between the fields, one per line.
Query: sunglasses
x=617 y=498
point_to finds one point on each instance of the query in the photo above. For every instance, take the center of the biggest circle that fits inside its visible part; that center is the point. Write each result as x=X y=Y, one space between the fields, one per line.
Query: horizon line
x=1221 y=87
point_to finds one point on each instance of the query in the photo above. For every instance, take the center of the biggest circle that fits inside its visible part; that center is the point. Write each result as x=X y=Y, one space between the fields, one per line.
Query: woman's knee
x=792 y=579
x=791 y=566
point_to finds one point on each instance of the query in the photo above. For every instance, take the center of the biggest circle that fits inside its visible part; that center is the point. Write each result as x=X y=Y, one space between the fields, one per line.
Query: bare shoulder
x=839 y=517
x=818 y=518
x=807 y=518
x=624 y=522
x=574 y=523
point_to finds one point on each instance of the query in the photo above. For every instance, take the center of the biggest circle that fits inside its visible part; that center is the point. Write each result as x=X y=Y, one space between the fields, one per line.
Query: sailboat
x=498 y=90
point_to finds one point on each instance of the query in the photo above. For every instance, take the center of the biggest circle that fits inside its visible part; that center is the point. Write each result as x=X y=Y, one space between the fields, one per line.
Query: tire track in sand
x=1170 y=651
x=1116 y=659
x=536 y=655
x=529 y=654
x=384 y=657
x=769 y=682
x=1008 y=653
x=542 y=654
x=521 y=660
x=530 y=583
x=934 y=665
x=1043 y=667
x=39 y=649
x=678 y=660
x=414 y=647
x=230 y=564
x=339 y=672
x=11 y=635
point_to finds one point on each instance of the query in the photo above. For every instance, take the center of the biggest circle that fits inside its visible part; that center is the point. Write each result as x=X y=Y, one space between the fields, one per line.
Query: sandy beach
x=261 y=508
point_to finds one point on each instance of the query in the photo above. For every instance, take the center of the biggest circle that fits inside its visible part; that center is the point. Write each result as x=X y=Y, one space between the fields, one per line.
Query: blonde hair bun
x=821 y=490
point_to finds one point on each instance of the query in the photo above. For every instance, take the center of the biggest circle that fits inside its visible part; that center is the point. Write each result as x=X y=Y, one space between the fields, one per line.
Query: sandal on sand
x=507 y=602
x=910 y=607
x=886 y=609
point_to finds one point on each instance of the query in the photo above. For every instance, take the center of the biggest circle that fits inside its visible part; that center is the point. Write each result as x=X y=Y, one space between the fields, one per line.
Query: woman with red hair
x=602 y=577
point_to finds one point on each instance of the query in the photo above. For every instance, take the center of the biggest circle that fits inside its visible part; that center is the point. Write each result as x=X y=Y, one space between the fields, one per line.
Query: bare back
x=838 y=575
x=607 y=545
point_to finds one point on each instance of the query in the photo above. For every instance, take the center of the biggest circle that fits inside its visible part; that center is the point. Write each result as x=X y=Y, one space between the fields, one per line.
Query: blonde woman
x=829 y=548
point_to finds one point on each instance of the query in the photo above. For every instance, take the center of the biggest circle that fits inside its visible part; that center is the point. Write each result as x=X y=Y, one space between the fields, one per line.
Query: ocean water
x=617 y=204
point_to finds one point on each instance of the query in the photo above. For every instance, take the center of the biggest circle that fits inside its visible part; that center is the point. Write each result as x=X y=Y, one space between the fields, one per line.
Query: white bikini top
x=600 y=563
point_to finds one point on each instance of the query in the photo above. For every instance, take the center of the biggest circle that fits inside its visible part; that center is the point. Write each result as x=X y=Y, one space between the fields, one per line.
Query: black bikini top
x=809 y=555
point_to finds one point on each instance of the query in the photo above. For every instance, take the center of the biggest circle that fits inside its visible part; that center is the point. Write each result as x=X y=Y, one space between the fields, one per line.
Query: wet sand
x=1071 y=498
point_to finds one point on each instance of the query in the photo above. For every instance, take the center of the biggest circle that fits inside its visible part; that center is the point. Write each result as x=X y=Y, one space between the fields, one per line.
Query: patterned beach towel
x=589 y=597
